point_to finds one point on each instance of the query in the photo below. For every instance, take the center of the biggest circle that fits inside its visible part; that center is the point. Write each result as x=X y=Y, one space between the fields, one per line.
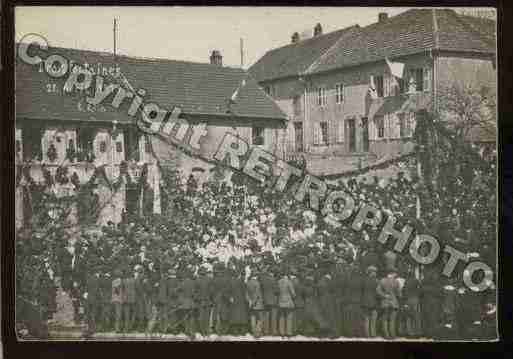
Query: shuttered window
x=427 y=78
x=380 y=125
x=339 y=93
x=378 y=82
x=321 y=96
x=324 y=132
x=316 y=130
x=340 y=132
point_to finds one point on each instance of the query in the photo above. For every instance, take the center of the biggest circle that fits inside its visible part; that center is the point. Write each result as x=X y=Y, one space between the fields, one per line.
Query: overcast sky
x=185 y=33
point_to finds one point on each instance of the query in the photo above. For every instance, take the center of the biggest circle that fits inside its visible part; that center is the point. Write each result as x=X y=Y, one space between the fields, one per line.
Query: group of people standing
x=273 y=301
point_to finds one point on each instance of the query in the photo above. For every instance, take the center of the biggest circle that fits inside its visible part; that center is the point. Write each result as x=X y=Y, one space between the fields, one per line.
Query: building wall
x=355 y=105
x=456 y=68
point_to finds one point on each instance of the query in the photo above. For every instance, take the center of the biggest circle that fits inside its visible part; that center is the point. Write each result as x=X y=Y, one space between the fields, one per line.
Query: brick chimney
x=295 y=37
x=382 y=16
x=318 y=29
x=216 y=58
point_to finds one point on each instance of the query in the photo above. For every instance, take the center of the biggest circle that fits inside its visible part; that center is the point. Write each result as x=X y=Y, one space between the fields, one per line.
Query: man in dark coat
x=172 y=303
x=431 y=304
x=256 y=303
x=106 y=305
x=286 y=298
x=142 y=296
x=270 y=293
x=411 y=294
x=369 y=302
x=117 y=299
x=187 y=302
x=129 y=299
x=299 y=301
x=352 y=311
x=389 y=292
x=204 y=292
x=239 y=309
x=93 y=301
x=222 y=299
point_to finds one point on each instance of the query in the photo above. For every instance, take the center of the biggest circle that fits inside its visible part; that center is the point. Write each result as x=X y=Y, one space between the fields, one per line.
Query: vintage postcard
x=256 y=174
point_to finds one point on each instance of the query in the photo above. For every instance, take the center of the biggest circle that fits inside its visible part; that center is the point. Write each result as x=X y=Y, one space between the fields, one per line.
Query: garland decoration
x=75 y=180
x=51 y=153
x=61 y=175
x=48 y=177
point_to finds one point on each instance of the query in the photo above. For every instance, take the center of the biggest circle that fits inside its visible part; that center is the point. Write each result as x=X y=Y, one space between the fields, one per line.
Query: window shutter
x=412 y=123
x=316 y=133
x=427 y=78
x=340 y=131
x=388 y=126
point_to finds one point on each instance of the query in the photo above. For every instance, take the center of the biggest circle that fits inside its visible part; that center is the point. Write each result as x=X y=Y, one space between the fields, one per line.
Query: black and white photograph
x=255 y=173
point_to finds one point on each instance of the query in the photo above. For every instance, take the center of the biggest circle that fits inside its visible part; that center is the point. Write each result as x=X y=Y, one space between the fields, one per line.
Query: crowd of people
x=242 y=258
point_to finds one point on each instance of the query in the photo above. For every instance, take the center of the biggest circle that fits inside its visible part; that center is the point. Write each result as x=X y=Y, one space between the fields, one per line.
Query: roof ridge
x=142 y=58
x=310 y=39
x=311 y=68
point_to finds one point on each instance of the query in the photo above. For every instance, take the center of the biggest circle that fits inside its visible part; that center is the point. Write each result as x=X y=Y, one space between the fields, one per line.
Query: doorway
x=298 y=136
x=351 y=133
x=365 y=134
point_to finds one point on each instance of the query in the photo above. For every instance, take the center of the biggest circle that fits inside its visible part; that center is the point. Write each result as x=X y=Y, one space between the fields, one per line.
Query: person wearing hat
x=299 y=301
x=239 y=316
x=93 y=301
x=222 y=298
x=352 y=314
x=370 y=301
x=411 y=294
x=286 y=296
x=129 y=299
x=186 y=301
x=169 y=318
x=270 y=293
x=117 y=299
x=143 y=295
x=204 y=292
x=431 y=303
x=256 y=303
x=388 y=291
x=105 y=320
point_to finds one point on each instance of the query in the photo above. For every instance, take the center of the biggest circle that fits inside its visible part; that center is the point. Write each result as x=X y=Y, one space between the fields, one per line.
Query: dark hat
x=371 y=269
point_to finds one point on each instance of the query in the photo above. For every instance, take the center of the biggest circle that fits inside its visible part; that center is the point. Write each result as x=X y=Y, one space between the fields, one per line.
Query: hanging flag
x=396 y=68
x=236 y=93
x=372 y=88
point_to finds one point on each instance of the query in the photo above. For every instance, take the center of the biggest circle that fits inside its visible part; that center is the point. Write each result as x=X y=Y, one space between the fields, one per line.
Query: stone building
x=355 y=95
x=63 y=143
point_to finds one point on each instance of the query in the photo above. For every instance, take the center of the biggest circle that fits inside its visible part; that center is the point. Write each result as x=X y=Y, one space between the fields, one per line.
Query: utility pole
x=241 y=53
x=115 y=35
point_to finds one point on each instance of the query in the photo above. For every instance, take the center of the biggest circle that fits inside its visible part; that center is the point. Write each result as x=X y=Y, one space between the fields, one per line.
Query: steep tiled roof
x=413 y=31
x=200 y=89
x=407 y=33
x=295 y=58
x=464 y=33
x=410 y=32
